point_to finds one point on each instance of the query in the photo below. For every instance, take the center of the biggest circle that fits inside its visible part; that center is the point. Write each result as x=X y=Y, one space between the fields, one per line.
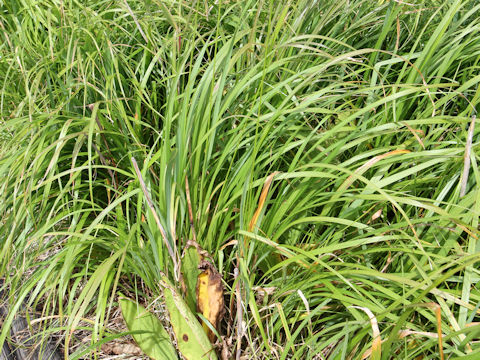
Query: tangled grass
x=356 y=117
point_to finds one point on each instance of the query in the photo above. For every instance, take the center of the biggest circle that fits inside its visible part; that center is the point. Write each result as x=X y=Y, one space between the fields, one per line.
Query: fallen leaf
x=261 y=292
x=210 y=301
x=375 y=216
x=121 y=349
x=226 y=354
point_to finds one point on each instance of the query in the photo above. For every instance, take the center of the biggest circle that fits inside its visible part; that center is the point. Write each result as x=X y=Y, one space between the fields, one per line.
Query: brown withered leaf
x=210 y=301
x=113 y=348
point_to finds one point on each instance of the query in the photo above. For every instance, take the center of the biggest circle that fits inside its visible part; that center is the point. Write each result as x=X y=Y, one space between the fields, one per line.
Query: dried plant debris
x=116 y=348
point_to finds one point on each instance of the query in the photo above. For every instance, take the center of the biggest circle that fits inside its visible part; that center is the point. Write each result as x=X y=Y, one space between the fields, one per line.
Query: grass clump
x=357 y=112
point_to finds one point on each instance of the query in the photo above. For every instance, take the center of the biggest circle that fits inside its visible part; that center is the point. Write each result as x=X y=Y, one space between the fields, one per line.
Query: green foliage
x=362 y=107
x=192 y=341
x=149 y=334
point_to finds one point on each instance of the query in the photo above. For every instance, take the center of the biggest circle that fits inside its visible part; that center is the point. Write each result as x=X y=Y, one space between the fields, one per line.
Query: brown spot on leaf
x=185 y=337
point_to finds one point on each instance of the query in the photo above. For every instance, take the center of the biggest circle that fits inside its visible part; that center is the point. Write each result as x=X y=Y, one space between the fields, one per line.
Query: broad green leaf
x=190 y=272
x=151 y=336
x=192 y=341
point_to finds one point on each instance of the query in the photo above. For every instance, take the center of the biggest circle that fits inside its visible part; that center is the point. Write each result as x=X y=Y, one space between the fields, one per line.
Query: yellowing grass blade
x=368 y=165
x=376 y=350
x=466 y=158
x=261 y=201
x=438 y=314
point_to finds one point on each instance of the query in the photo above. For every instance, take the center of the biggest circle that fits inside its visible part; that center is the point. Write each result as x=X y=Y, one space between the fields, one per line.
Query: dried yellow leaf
x=210 y=301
